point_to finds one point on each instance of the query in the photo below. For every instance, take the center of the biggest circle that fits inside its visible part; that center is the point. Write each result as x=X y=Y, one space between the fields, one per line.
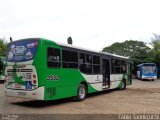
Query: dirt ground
x=141 y=97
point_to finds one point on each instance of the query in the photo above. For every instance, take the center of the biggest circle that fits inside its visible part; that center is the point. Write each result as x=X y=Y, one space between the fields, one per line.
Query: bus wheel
x=123 y=85
x=152 y=79
x=81 y=92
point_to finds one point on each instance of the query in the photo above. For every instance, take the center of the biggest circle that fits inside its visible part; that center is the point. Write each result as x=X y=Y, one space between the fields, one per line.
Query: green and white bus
x=42 y=69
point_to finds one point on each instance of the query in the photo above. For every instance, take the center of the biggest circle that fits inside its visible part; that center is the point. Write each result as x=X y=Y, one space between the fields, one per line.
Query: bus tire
x=123 y=84
x=81 y=92
x=152 y=79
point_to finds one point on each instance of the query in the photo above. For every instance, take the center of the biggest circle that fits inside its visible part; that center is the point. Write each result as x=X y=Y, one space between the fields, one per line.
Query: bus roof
x=114 y=55
x=148 y=63
x=74 y=47
x=80 y=48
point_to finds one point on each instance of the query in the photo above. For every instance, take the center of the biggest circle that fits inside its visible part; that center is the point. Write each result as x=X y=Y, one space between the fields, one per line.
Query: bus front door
x=106 y=73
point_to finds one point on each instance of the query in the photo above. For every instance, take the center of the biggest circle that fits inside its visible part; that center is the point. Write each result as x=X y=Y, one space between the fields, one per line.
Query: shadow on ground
x=1 y=82
x=146 y=80
x=40 y=104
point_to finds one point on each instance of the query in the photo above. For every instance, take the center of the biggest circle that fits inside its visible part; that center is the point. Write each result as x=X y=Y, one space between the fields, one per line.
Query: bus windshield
x=147 y=69
x=21 y=51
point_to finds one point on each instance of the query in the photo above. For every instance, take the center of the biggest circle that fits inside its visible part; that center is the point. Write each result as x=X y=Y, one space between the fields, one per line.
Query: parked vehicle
x=46 y=70
x=147 y=71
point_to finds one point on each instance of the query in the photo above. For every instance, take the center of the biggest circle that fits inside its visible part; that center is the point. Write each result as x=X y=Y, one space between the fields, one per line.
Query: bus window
x=86 y=64
x=82 y=58
x=112 y=65
x=70 y=59
x=117 y=70
x=89 y=69
x=123 y=67
x=96 y=59
x=53 y=57
x=117 y=62
x=88 y=58
x=96 y=64
x=96 y=69
x=83 y=68
x=116 y=66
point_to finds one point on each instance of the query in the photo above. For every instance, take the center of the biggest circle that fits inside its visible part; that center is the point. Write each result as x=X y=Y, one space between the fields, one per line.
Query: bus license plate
x=22 y=93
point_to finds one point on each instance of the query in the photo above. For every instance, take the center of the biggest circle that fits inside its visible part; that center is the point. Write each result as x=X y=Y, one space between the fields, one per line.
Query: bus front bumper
x=36 y=94
x=149 y=77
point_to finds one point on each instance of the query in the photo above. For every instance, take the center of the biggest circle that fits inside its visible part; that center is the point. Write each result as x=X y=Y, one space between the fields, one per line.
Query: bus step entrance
x=105 y=87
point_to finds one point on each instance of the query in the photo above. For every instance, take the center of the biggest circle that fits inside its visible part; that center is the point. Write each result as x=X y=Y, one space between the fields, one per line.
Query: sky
x=92 y=24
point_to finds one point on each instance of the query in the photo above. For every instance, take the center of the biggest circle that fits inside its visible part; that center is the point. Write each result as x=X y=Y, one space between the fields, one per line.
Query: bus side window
x=53 y=57
x=82 y=61
x=112 y=61
x=96 y=64
x=116 y=66
x=69 y=59
x=88 y=63
x=123 y=67
x=82 y=58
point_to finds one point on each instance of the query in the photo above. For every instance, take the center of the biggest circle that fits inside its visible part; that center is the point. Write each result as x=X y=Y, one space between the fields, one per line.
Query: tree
x=3 y=46
x=69 y=40
x=156 y=48
x=137 y=50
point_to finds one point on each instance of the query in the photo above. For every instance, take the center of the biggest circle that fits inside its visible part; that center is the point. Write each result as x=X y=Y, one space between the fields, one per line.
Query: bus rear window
x=21 y=51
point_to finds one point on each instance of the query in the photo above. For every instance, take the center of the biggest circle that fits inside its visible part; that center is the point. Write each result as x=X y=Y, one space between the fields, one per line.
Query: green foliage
x=156 y=48
x=138 y=51
x=3 y=46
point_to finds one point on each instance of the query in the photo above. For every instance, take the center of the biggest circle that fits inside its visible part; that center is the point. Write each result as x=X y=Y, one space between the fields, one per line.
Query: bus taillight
x=34 y=81
x=34 y=76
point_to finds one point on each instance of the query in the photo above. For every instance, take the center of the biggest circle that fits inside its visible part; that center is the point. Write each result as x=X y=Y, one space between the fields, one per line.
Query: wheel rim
x=82 y=92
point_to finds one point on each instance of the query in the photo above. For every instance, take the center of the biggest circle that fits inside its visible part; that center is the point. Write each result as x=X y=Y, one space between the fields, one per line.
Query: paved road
x=141 y=97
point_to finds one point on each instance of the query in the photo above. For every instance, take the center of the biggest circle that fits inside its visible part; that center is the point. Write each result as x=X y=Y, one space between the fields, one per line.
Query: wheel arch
x=124 y=79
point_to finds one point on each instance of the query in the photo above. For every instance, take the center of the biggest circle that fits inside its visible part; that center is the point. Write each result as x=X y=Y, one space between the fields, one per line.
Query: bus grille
x=50 y=92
